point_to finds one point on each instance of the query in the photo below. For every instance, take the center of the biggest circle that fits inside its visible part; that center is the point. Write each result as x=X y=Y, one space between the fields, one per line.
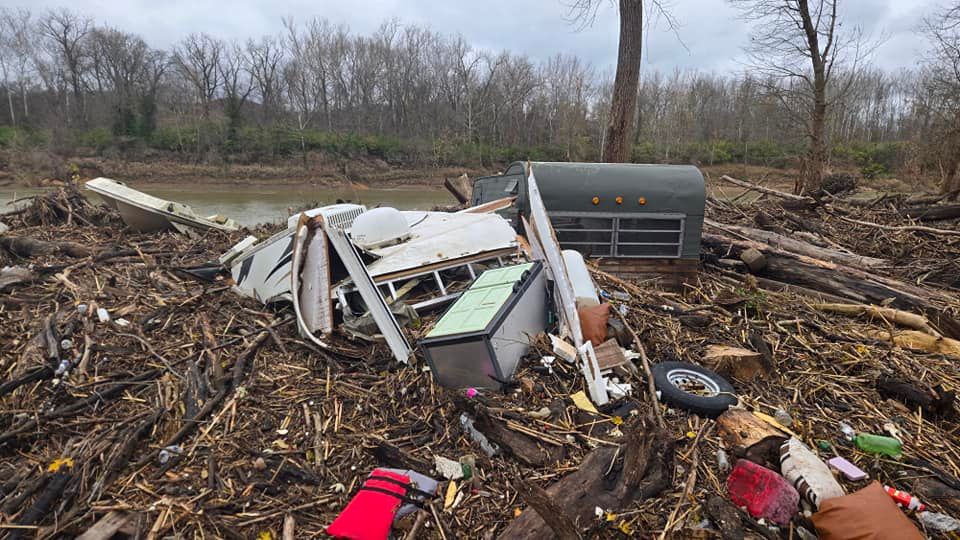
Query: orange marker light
x=642 y=201
x=619 y=200
x=596 y=200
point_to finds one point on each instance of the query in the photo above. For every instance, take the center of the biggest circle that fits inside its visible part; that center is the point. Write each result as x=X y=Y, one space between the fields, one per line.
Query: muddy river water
x=249 y=205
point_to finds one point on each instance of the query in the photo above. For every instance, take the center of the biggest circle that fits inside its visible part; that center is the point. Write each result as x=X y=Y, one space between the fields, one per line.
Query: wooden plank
x=107 y=526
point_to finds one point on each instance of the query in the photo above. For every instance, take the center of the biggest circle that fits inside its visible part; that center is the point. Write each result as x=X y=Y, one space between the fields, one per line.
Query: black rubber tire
x=672 y=396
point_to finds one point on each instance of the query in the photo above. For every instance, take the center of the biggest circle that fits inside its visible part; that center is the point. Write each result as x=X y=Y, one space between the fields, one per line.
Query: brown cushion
x=868 y=514
x=593 y=323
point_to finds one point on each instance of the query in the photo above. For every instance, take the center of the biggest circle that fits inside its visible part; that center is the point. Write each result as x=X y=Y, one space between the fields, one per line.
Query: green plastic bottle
x=878 y=444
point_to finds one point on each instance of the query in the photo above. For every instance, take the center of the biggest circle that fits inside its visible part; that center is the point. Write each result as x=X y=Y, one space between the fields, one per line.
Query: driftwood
x=22 y=246
x=15 y=275
x=918 y=341
x=885 y=314
x=107 y=526
x=902 y=228
x=933 y=213
x=456 y=191
x=845 y=281
x=769 y=191
x=936 y=403
x=540 y=501
x=782 y=243
x=646 y=470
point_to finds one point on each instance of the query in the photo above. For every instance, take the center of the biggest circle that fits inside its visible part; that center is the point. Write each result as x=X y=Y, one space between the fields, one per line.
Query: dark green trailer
x=636 y=219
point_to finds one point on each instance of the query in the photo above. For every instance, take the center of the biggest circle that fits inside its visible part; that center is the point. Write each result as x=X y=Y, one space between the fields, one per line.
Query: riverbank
x=38 y=171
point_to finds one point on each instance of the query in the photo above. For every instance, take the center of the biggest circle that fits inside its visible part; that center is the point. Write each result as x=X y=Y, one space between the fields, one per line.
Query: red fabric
x=765 y=493
x=369 y=514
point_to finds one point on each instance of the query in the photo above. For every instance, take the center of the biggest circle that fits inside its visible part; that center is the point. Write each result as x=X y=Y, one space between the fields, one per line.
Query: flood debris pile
x=142 y=396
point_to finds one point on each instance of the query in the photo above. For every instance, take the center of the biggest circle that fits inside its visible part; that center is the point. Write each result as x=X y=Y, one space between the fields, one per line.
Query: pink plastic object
x=763 y=492
x=850 y=471
x=471 y=392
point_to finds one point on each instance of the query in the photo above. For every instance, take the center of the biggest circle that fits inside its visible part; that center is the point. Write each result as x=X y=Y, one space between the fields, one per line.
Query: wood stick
x=289 y=527
x=917 y=228
x=768 y=191
x=651 y=386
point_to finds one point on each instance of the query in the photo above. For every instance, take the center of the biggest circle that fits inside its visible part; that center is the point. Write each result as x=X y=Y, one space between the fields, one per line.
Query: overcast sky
x=711 y=33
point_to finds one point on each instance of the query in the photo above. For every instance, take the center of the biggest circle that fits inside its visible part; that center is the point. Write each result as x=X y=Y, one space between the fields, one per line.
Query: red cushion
x=369 y=514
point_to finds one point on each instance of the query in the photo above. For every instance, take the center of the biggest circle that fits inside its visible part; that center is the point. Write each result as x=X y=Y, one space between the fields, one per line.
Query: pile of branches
x=193 y=411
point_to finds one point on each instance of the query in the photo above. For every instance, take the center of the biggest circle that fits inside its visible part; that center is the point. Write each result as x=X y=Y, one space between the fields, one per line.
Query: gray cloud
x=712 y=33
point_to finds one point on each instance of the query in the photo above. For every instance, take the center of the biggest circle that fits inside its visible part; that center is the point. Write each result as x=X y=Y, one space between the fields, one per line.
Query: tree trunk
x=950 y=186
x=616 y=148
x=812 y=174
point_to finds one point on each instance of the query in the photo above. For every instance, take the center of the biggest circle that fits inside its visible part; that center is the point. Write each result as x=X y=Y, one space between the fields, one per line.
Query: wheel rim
x=693 y=382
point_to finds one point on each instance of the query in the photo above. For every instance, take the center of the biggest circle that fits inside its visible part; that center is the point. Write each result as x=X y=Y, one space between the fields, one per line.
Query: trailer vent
x=616 y=235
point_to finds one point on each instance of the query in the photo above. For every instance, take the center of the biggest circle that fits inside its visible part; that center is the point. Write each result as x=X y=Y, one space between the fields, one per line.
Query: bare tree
x=942 y=84
x=265 y=59
x=66 y=32
x=16 y=51
x=197 y=59
x=122 y=59
x=234 y=69
x=306 y=76
x=798 y=46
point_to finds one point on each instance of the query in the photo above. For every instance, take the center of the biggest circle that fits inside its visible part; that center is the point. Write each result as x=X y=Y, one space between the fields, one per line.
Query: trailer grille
x=613 y=235
x=344 y=218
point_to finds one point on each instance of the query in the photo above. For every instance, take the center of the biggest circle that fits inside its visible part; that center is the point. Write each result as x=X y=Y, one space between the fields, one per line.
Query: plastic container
x=763 y=492
x=584 y=290
x=878 y=444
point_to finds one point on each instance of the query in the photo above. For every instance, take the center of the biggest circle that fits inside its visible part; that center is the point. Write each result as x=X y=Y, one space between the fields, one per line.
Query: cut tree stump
x=741 y=364
x=754 y=260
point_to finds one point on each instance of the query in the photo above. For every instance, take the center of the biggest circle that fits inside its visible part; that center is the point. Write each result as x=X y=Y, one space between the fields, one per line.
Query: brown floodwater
x=250 y=205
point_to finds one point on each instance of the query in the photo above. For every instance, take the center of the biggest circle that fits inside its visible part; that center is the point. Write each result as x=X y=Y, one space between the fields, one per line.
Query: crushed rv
x=146 y=213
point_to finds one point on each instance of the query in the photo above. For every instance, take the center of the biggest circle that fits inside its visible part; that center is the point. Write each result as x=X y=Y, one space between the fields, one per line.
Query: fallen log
x=785 y=243
x=845 y=282
x=933 y=213
x=23 y=246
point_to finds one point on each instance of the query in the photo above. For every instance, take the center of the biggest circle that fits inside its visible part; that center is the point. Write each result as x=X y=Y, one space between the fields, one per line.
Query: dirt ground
x=372 y=173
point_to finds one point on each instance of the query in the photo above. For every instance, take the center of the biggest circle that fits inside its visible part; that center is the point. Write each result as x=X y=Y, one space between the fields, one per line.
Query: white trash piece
x=102 y=315
x=583 y=288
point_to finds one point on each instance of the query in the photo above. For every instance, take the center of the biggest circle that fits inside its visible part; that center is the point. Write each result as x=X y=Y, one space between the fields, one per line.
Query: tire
x=721 y=393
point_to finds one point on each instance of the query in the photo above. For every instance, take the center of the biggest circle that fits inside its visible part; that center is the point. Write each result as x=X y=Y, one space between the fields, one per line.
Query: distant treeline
x=404 y=94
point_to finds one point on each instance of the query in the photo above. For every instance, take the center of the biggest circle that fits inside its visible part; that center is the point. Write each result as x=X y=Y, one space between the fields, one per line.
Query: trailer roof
x=572 y=187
